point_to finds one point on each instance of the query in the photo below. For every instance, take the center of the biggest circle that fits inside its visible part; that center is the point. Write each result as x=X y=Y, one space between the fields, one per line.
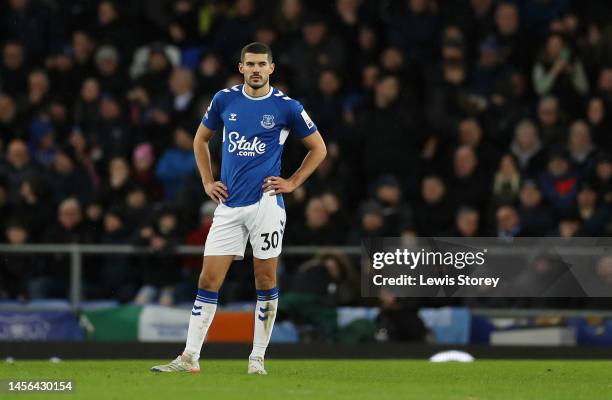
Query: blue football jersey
x=254 y=132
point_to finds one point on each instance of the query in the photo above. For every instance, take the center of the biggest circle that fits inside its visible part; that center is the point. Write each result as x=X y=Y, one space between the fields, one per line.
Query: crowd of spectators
x=442 y=118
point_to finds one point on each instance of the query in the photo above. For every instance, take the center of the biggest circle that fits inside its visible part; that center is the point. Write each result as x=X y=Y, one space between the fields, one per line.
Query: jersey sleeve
x=301 y=125
x=212 y=118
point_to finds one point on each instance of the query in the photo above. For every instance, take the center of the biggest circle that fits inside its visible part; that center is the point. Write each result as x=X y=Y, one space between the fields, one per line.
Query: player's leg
x=213 y=273
x=265 y=310
x=226 y=241
x=266 y=238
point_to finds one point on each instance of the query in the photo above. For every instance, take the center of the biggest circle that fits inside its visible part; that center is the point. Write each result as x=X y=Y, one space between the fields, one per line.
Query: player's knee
x=265 y=281
x=210 y=281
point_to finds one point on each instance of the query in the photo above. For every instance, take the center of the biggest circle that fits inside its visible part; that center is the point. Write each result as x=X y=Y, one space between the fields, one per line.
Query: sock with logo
x=202 y=315
x=265 y=314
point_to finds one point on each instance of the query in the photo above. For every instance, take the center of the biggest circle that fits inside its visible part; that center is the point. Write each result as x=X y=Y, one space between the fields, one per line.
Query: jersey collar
x=260 y=97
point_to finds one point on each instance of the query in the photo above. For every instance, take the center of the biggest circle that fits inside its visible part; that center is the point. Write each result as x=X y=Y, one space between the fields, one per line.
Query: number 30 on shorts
x=270 y=240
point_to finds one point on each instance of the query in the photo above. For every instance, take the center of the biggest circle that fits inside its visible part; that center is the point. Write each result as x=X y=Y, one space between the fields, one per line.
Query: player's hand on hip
x=216 y=191
x=276 y=185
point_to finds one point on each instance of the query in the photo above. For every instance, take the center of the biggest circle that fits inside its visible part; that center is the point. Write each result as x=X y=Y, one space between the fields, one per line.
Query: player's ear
x=240 y=67
x=272 y=65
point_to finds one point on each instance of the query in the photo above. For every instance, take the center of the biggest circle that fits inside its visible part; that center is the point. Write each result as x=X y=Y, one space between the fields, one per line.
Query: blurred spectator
x=569 y=226
x=197 y=236
x=602 y=177
x=83 y=48
x=119 y=181
x=327 y=103
x=593 y=215
x=371 y=224
x=87 y=106
x=116 y=278
x=210 y=74
x=143 y=161
x=560 y=73
x=399 y=321
x=33 y=24
x=43 y=147
x=184 y=105
x=489 y=70
x=534 y=216
x=13 y=71
x=469 y=185
x=470 y=133
x=111 y=134
x=550 y=125
x=507 y=181
x=527 y=148
x=467 y=223
x=10 y=124
x=83 y=154
x=318 y=286
x=236 y=30
x=435 y=212
x=52 y=280
x=580 y=147
x=289 y=19
x=109 y=71
x=319 y=49
x=5 y=206
x=38 y=93
x=508 y=223
x=337 y=214
x=597 y=117
x=416 y=30
x=387 y=125
x=515 y=46
x=317 y=229
x=17 y=166
x=396 y=213
x=330 y=277
x=33 y=206
x=16 y=268
x=559 y=183
x=177 y=164
x=110 y=28
x=137 y=211
x=161 y=270
x=68 y=178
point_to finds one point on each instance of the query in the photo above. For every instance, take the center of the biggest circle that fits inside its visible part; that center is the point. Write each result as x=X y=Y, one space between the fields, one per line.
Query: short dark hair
x=256 y=48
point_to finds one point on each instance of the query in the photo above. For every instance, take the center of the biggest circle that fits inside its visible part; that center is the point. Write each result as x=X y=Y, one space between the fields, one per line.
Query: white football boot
x=182 y=363
x=256 y=366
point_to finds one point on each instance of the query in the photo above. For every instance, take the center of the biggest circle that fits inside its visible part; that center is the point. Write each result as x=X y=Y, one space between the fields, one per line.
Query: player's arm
x=316 y=154
x=216 y=190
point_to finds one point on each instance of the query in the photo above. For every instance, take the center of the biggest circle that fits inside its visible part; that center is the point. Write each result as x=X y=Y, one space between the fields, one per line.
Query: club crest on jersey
x=267 y=121
x=233 y=116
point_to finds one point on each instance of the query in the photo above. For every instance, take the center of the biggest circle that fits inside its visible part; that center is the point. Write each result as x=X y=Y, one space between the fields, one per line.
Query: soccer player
x=255 y=119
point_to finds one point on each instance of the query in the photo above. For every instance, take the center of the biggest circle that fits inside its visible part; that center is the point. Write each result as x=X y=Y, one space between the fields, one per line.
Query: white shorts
x=262 y=223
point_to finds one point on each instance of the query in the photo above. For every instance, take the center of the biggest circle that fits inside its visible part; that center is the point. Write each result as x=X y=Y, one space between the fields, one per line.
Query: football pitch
x=322 y=379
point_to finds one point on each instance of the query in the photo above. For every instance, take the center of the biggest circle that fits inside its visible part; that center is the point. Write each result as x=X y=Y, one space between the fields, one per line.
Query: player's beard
x=262 y=82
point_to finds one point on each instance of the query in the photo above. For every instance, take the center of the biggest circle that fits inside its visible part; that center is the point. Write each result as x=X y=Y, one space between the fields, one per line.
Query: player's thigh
x=228 y=234
x=267 y=229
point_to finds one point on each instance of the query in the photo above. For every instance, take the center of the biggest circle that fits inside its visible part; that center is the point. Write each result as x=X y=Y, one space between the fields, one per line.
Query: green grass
x=317 y=379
